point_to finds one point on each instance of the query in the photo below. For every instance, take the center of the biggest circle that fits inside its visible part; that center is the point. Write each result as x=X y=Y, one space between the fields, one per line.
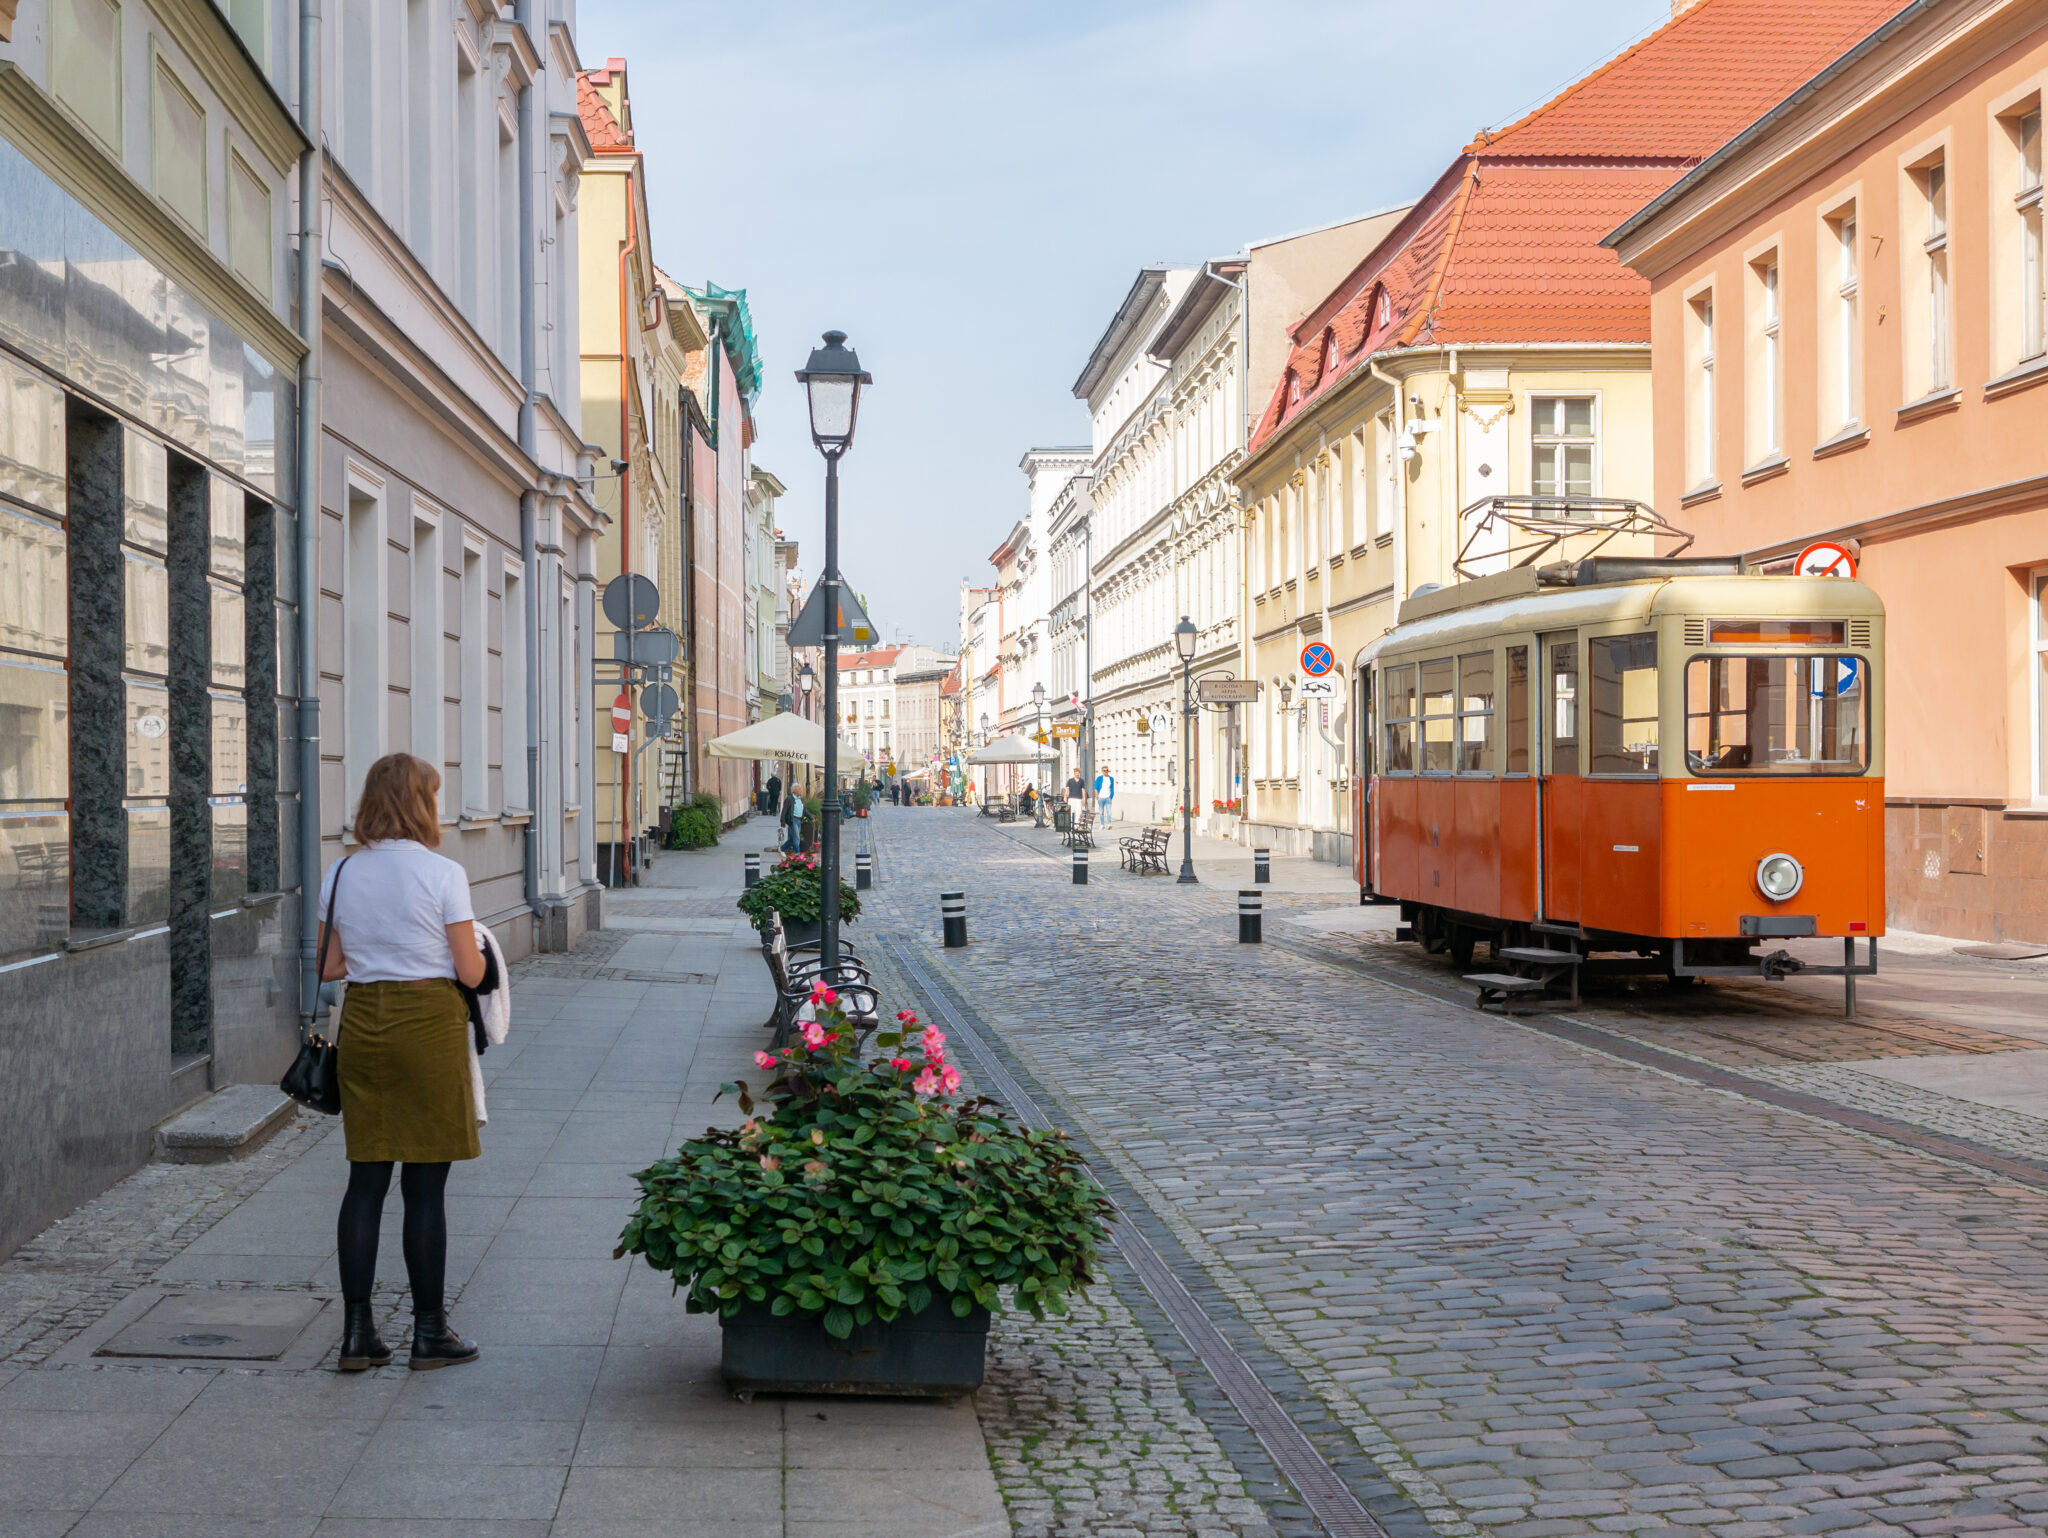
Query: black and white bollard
x=753 y=870
x=1262 y=865
x=953 y=909
x=1251 y=921
x=863 y=871
x=1080 y=866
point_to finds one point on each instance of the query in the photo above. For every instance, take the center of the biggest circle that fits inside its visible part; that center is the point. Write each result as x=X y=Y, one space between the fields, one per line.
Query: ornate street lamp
x=1184 y=642
x=832 y=381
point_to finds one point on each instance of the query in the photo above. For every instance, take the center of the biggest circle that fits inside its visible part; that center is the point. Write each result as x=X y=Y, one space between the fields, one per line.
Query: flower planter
x=801 y=931
x=934 y=1354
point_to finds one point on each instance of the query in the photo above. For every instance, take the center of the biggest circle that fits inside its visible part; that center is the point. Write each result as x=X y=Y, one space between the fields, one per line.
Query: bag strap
x=327 y=933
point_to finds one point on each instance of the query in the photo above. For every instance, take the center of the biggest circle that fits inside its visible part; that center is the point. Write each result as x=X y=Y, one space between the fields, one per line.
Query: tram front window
x=1777 y=715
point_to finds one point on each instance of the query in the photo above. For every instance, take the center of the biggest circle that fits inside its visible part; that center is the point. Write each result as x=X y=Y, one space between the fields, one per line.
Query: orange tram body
x=1665 y=757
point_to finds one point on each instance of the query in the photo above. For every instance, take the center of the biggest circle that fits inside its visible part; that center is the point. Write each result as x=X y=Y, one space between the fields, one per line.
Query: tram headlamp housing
x=1779 y=877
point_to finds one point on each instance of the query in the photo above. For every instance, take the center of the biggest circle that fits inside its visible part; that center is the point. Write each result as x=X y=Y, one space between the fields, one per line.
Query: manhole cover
x=2004 y=950
x=235 y=1326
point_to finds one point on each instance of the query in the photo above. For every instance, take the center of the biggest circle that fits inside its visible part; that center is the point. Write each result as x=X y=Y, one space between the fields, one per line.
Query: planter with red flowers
x=857 y=1233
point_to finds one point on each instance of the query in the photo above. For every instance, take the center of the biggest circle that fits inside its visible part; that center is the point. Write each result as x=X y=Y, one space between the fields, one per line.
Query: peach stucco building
x=1850 y=341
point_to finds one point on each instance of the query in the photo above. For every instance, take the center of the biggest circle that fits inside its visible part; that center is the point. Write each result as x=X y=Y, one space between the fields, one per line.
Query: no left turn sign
x=1825 y=558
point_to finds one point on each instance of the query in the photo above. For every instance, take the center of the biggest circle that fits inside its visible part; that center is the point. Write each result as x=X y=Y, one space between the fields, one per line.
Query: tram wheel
x=1462 y=941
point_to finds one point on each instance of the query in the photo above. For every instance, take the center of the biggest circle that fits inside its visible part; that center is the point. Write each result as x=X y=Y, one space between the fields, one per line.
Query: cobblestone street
x=1528 y=1288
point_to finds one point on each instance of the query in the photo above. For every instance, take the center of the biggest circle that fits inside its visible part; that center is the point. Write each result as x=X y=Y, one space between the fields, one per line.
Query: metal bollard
x=1080 y=866
x=1251 y=921
x=753 y=870
x=863 y=871
x=1262 y=865
x=953 y=909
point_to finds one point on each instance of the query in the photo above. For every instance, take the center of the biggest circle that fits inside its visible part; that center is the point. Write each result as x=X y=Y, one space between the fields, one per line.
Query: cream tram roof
x=1513 y=603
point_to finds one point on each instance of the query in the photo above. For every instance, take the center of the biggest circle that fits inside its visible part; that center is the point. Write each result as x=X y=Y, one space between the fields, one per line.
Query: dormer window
x=1329 y=353
x=1386 y=312
x=1293 y=388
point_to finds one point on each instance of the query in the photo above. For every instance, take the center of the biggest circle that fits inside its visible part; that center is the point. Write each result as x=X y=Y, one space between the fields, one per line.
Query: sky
x=968 y=187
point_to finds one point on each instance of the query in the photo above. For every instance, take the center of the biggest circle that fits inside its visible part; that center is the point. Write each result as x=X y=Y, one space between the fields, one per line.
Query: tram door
x=1562 y=793
x=1364 y=689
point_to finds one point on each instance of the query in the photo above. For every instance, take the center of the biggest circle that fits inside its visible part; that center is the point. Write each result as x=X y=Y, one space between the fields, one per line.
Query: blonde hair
x=401 y=799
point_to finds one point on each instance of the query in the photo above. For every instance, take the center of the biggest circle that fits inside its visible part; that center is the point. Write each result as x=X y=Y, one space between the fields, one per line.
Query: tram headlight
x=1779 y=877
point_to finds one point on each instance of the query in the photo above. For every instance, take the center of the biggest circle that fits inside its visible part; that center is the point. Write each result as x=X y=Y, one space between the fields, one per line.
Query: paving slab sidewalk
x=596 y=1410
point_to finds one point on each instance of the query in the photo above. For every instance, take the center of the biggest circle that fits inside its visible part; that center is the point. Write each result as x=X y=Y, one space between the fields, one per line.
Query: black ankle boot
x=434 y=1344
x=361 y=1346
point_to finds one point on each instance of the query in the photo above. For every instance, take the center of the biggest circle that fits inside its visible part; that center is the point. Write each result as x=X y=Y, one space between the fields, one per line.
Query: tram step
x=1537 y=956
x=1501 y=982
x=1544 y=928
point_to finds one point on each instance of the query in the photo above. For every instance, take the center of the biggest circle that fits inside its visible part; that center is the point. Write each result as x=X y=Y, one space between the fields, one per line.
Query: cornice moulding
x=36 y=127
x=203 y=35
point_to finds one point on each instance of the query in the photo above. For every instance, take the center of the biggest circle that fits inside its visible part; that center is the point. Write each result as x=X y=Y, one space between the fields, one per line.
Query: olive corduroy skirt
x=404 y=1061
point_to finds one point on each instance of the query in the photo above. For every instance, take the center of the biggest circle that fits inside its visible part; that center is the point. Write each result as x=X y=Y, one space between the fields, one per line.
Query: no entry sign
x=622 y=713
x=1825 y=558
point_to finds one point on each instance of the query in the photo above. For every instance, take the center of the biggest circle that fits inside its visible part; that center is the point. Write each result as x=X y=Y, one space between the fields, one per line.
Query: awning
x=1012 y=750
x=784 y=736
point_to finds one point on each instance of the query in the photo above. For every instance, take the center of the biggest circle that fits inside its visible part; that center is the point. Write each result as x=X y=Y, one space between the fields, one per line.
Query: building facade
x=1070 y=695
x=1850 y=342
x=207 y=588
x=1485 y=364
x=917 y=720
x=765 y=573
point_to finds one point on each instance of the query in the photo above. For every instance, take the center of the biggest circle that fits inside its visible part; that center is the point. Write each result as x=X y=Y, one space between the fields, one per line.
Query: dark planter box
x=932 y=1355
x=800 y=931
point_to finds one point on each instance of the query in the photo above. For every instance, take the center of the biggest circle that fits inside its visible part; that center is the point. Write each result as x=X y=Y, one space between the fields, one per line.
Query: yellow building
x=1481 y=377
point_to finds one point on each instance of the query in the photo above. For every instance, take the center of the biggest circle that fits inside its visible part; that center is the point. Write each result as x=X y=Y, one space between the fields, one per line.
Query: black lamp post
x=832 y=380
x=1184 y=643
x=1038 y=768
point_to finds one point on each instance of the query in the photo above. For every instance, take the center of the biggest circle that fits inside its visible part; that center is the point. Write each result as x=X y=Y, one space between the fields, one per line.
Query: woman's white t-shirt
x=397 y=900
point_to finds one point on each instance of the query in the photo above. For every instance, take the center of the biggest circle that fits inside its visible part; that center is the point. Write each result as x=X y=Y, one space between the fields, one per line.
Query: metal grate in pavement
x=1336 y=1510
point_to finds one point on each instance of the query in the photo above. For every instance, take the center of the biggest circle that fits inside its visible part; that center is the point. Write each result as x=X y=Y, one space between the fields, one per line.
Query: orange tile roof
x=886 y=657
x=1506 y=247
x=599 y=126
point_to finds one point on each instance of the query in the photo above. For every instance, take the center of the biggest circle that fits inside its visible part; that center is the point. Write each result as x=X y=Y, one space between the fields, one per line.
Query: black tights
x=426 y=1230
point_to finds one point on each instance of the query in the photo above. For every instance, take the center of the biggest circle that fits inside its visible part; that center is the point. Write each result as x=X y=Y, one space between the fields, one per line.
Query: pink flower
x=906 y=1017
x=823 y=996
x=814 y=1035
x=900 y=1064
x=926 y=1083
x=949 y=1081
x=764 y=1060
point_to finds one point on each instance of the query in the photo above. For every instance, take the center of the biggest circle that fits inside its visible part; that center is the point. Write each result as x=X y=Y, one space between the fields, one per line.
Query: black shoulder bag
x=314 y=1078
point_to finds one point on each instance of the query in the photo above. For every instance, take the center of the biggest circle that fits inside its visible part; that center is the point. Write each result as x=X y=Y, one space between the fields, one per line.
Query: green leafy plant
x=861 y=1190
x=690 y=827
x=796 y=890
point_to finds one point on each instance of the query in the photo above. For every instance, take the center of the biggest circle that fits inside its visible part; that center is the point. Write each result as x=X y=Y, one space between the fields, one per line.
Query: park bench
x=1081 y=832
x=795 y=968
x=1146 y=853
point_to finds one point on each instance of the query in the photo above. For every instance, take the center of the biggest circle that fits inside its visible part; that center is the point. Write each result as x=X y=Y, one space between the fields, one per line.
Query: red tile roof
x=886 y=657
x=599 y=126
x=1505 y=248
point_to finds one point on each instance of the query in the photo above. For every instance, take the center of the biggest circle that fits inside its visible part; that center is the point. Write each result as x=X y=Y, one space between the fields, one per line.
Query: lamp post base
x=1187 y=874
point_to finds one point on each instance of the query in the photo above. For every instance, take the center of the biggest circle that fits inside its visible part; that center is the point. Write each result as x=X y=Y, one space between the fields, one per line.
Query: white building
x=1071 y=694
x=1024 y=575
x=1138 y=586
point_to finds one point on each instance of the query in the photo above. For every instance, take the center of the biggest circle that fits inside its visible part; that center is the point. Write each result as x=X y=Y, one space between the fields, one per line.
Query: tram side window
x=1777 y=715
x=1624 y=704
x=1516 y=703
x=1564 y=708
x=1475 y=713
x=1439 y=716
x=1399 y=718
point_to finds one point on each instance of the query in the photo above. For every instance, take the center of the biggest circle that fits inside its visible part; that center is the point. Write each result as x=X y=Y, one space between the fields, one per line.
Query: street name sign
x=1228 y=691
x=1071 y=730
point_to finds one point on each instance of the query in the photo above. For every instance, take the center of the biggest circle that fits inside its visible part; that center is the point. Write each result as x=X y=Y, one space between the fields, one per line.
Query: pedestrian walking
x=1077 y=788
x=774 y=795
x=401 y=930
x=792 y=822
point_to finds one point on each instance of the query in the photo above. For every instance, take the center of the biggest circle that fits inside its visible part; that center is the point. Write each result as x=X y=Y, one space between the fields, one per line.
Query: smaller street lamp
x=1184 y=635
x=1038 y=731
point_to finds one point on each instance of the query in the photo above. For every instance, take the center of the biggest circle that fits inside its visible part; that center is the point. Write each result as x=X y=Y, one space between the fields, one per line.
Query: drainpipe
x=529 y=498
x=621 y=864
x=309 y=514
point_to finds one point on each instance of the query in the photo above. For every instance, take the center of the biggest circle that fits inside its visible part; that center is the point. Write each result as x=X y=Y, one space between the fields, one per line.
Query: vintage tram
x=1669 y=758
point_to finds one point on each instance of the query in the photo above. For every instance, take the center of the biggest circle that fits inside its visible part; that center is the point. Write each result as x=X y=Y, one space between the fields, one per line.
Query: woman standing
x=404 y=934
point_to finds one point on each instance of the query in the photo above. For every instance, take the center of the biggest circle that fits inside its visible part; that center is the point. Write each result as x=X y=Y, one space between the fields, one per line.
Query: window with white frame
x=1928 y=368
x=365 y=626
x=474 y=715
x=1766 y=392
x=1561 y=446
x=2027 y=203
x=2038 y=689
x=1842 y=342
x=1387 y=498
x=1699 y=415
x=426 y=632
x=512 y=716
